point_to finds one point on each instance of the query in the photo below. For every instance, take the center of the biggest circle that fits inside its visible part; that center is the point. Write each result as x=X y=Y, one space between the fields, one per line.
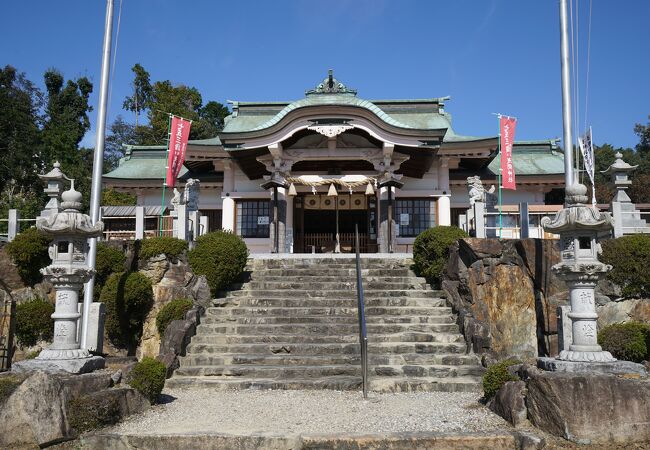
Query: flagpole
x=98 y=163
x=500 y=170
x=162 y=209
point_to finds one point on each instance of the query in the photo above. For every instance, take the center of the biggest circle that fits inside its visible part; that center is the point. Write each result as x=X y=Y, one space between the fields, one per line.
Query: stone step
x=336 y=302
x=322 y=339
x=252 y=311
x=339 y=383
x=341 y=284
x=316 y=277
x=344 y=293
x=312 y=360
x=319 y=319
x=328 y=262
x=200 y=346
x=324 y=329
x=329 y=272
x=303 y=371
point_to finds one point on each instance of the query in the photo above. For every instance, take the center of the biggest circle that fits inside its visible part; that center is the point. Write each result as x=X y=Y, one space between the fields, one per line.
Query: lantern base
x=585 y=356
x=76 y=366
x=613 y=367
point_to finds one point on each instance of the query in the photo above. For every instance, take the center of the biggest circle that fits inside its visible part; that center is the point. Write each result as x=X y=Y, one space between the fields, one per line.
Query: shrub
x=628 y=341
x=29 y=252
x=34 y=322
x=630 y=259
x=148 y=378
x=496 y=376
x=7 y=386
x=174 y=310
x=128 y=298
x=89 y=412
x=155 y=246
x=109 y=260
x=220 y=256
x=111 y=197
x=431 y=250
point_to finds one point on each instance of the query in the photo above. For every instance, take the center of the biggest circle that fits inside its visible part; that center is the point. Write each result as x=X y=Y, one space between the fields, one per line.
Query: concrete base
x=76 y=366
x=614 y=367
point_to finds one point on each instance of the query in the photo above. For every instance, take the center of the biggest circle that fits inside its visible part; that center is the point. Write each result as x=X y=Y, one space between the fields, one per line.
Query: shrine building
x=291 y=177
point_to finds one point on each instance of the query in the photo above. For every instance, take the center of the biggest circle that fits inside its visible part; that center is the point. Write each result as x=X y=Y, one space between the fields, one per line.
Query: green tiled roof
x=534 y=158
x=143 y=163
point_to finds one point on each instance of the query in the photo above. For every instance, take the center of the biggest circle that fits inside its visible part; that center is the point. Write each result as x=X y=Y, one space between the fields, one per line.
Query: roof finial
x=331 y=85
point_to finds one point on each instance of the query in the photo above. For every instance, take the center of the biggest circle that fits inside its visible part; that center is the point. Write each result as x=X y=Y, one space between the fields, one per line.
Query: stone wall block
x=510 y=403
x=589 y=408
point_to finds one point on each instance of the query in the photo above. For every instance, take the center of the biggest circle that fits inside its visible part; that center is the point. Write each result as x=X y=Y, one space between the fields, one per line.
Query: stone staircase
x=293 y=325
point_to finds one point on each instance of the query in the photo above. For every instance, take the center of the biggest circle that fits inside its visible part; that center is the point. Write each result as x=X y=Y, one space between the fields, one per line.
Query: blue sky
x=489 y=56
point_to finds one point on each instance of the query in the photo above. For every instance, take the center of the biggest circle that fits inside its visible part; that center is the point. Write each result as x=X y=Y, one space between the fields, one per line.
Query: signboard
x=263 y=220
x=404 y=219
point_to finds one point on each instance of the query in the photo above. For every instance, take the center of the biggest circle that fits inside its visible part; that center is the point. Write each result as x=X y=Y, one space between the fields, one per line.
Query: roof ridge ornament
x=331 y=85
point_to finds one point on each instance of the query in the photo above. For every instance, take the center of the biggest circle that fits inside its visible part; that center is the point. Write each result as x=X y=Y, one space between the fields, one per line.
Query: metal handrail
x=363 y=335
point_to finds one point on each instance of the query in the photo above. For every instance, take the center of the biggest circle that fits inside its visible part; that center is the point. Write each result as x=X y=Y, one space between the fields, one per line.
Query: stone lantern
x=626 y=216
x=69 y=230
x=54 y=181
x=579 y=226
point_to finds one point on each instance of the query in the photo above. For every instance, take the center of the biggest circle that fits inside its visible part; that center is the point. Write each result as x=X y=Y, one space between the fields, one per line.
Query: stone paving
x=282 y=413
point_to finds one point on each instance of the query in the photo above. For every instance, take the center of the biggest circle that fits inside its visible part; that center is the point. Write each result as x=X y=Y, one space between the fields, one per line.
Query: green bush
x=431 y=250
x=89 y=412
x=128 y=298
x=111 y=197
x=7 y=386
x=496 y=376
x=148 y=378
x=34 y=322
x=630 y=259
x=174 y=310
x=220 y=256
x=29 y=253
x=155 y=246
x=109 y=260
x=628 y=341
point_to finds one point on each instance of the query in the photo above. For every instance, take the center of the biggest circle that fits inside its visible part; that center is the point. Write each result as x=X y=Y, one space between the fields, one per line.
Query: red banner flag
x=179 y=134
x=507 y=126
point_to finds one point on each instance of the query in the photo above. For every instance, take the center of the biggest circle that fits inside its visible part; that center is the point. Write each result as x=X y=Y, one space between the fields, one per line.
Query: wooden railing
x=326 y=243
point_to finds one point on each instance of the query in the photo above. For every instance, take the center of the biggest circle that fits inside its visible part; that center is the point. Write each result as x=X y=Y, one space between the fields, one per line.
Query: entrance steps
x=293 y=325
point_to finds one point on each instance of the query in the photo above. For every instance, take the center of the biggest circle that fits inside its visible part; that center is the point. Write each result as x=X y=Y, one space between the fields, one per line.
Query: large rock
x=34 y=415
x=588 y=407
x=178 y=335
x=172 y=278
x=624 y=311
x=510 y=402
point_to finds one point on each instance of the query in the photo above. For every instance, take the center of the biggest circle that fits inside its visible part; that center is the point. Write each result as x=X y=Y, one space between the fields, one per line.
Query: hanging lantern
x=292 y=190
x=369 y=189
x=332 y=191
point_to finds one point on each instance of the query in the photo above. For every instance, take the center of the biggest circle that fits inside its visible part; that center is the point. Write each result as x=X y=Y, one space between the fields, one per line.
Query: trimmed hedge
x=220 y=256
x=496 y=376
x=128 y=298
x=29 y=253
x=630 y=259
x=431 y=251
x=174 y=310
x=34 y=322
x=109 y=260
x=628 y=341
x=148 y=378
x=169 y=246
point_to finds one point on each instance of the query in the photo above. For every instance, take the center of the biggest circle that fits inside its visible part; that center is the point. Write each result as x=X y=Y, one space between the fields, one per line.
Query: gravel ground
x=194 y=411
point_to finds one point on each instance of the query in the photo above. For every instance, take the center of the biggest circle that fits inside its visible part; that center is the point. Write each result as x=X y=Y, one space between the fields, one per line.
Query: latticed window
x=253 y=218
x=413 y=216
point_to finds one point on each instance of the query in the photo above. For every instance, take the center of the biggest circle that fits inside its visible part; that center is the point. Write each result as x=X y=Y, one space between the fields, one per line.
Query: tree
x=20 y=143
x=643 y=147
x=141 y=97
x=163 y=97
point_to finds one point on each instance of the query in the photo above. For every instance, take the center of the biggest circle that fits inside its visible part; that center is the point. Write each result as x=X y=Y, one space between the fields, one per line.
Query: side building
x=292 y=176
